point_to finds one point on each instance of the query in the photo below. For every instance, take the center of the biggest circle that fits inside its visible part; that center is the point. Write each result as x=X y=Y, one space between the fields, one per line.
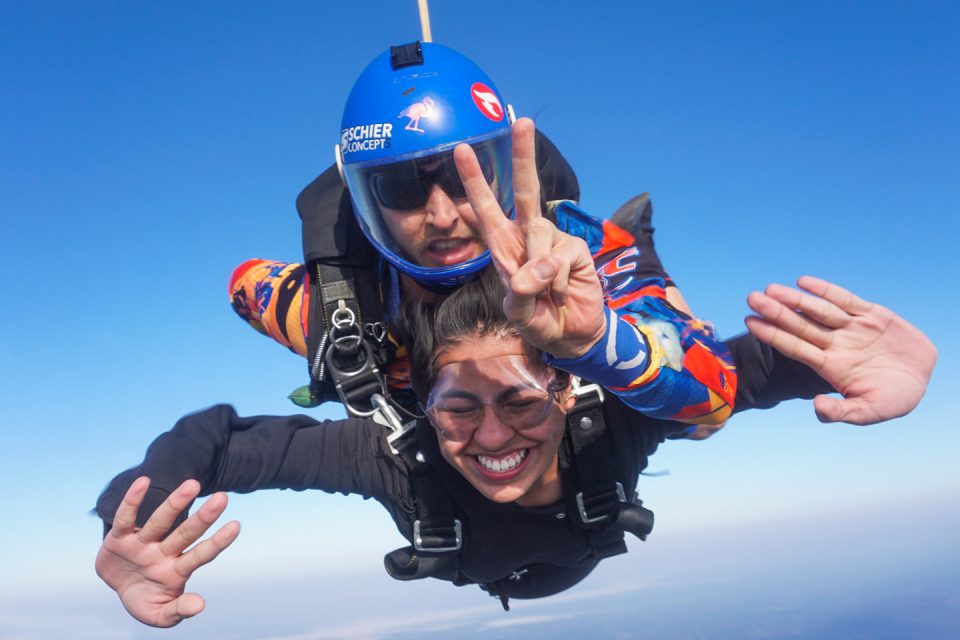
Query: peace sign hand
x=553 y=293
x=149 y=571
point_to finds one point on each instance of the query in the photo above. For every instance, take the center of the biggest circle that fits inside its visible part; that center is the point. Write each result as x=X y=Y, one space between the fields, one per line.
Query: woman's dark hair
x=474 y=309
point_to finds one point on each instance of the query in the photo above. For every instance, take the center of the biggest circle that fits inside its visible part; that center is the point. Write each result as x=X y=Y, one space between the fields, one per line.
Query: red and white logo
x=487 y=101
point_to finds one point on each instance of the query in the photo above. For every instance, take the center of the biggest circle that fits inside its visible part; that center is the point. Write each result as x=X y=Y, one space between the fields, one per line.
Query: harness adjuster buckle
x=452 y=536
x=388 y=417
x=358 y=382
x=599 y=503
x=587 y=396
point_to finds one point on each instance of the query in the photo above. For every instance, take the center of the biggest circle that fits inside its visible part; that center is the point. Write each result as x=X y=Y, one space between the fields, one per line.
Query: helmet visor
x=405 y=185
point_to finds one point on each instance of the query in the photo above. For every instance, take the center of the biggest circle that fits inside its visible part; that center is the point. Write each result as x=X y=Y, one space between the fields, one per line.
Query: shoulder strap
x=345 y=310
x=437 y=533
x=589 y=476
x=347 y=343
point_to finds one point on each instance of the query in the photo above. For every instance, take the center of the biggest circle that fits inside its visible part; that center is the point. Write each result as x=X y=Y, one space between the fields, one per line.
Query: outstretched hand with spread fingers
x=553 y=291
x=149 y=571
x=879 y=362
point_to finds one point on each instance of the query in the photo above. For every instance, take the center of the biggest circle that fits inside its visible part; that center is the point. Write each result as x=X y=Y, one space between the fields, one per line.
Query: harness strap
x=437 y=532
x=344 y=352
x=594 y=496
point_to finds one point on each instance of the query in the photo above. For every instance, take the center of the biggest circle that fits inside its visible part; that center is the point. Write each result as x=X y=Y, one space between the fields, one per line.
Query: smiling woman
x=497 y=410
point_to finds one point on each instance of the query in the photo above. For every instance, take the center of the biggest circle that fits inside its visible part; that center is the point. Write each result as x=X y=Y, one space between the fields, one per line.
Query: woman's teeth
x=499 y=465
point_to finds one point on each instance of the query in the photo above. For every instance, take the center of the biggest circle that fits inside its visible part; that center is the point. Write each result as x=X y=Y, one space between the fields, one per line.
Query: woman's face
x=498 y=420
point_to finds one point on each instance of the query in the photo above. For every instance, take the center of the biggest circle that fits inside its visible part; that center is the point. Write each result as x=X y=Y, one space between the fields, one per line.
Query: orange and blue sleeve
x=656 y=358
x=270 y=296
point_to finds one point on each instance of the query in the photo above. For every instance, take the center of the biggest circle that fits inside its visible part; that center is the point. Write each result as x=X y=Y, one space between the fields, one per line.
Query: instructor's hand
x=879 y=362
x=149 y=572
x=553 y=291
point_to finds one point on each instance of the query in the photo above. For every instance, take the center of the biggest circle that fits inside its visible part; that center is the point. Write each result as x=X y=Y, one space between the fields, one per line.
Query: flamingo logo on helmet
x=423 y=109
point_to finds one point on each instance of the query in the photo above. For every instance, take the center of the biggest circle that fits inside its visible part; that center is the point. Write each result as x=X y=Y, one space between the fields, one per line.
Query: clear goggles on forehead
x=520 y=398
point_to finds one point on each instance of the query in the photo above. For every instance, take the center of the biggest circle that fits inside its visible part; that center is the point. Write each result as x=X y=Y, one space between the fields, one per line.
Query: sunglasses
x=406 y=185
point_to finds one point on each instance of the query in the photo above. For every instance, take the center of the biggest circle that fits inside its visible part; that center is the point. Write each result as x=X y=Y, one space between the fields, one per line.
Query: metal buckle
x=347 y=381
x=418 y=541
x=387 y=416
x=585 y=517
x=581 y=391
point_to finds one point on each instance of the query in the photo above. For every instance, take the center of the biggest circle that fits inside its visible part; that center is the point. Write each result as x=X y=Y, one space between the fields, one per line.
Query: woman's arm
x=226 y=452
x=145 y=556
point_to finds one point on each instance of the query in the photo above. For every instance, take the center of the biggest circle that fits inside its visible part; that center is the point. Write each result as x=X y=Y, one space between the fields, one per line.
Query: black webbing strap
x=439 y=528
x=437 y=533
x=591 y=478
x=333 y=283
x=345 y=354
x=595 y=499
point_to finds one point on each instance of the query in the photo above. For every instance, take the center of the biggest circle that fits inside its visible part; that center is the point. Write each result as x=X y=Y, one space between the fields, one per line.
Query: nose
x=492 y=434
x=441 y=209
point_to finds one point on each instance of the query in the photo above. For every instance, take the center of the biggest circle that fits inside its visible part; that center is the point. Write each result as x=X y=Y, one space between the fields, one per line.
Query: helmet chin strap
x=511 y=115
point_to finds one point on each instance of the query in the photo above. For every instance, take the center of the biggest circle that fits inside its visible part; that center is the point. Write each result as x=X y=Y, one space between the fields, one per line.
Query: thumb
x=849 y=410
x=176 y=611
x=529 y=282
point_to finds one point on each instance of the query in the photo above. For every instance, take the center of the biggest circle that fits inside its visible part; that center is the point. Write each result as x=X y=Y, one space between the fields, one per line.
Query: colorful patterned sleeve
x=656 y=358
x=269 y=296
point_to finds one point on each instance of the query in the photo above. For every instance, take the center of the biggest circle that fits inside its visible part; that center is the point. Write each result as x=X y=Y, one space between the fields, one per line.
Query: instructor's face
x=498 y=419
x=438 y=234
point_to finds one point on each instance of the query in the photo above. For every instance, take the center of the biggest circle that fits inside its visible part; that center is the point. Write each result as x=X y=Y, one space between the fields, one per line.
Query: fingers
x=125 y=520
x=166 y=514
x=525 y=286
x=209 y=549
x=502 y=240
x=782 y=315
x=839 y=296
x=560 y=286
x=489 y=214
x=550 y=272
x=191 y=529
x=526 y=181
x=574 y=265
x=784 y=342
x=540 y=238
x=820 y=309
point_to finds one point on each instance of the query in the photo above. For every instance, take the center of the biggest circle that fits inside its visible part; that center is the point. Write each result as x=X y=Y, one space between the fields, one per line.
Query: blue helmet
x=405 y=114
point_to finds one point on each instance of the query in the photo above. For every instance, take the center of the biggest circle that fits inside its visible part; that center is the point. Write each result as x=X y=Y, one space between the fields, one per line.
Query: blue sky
x=146 y=149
